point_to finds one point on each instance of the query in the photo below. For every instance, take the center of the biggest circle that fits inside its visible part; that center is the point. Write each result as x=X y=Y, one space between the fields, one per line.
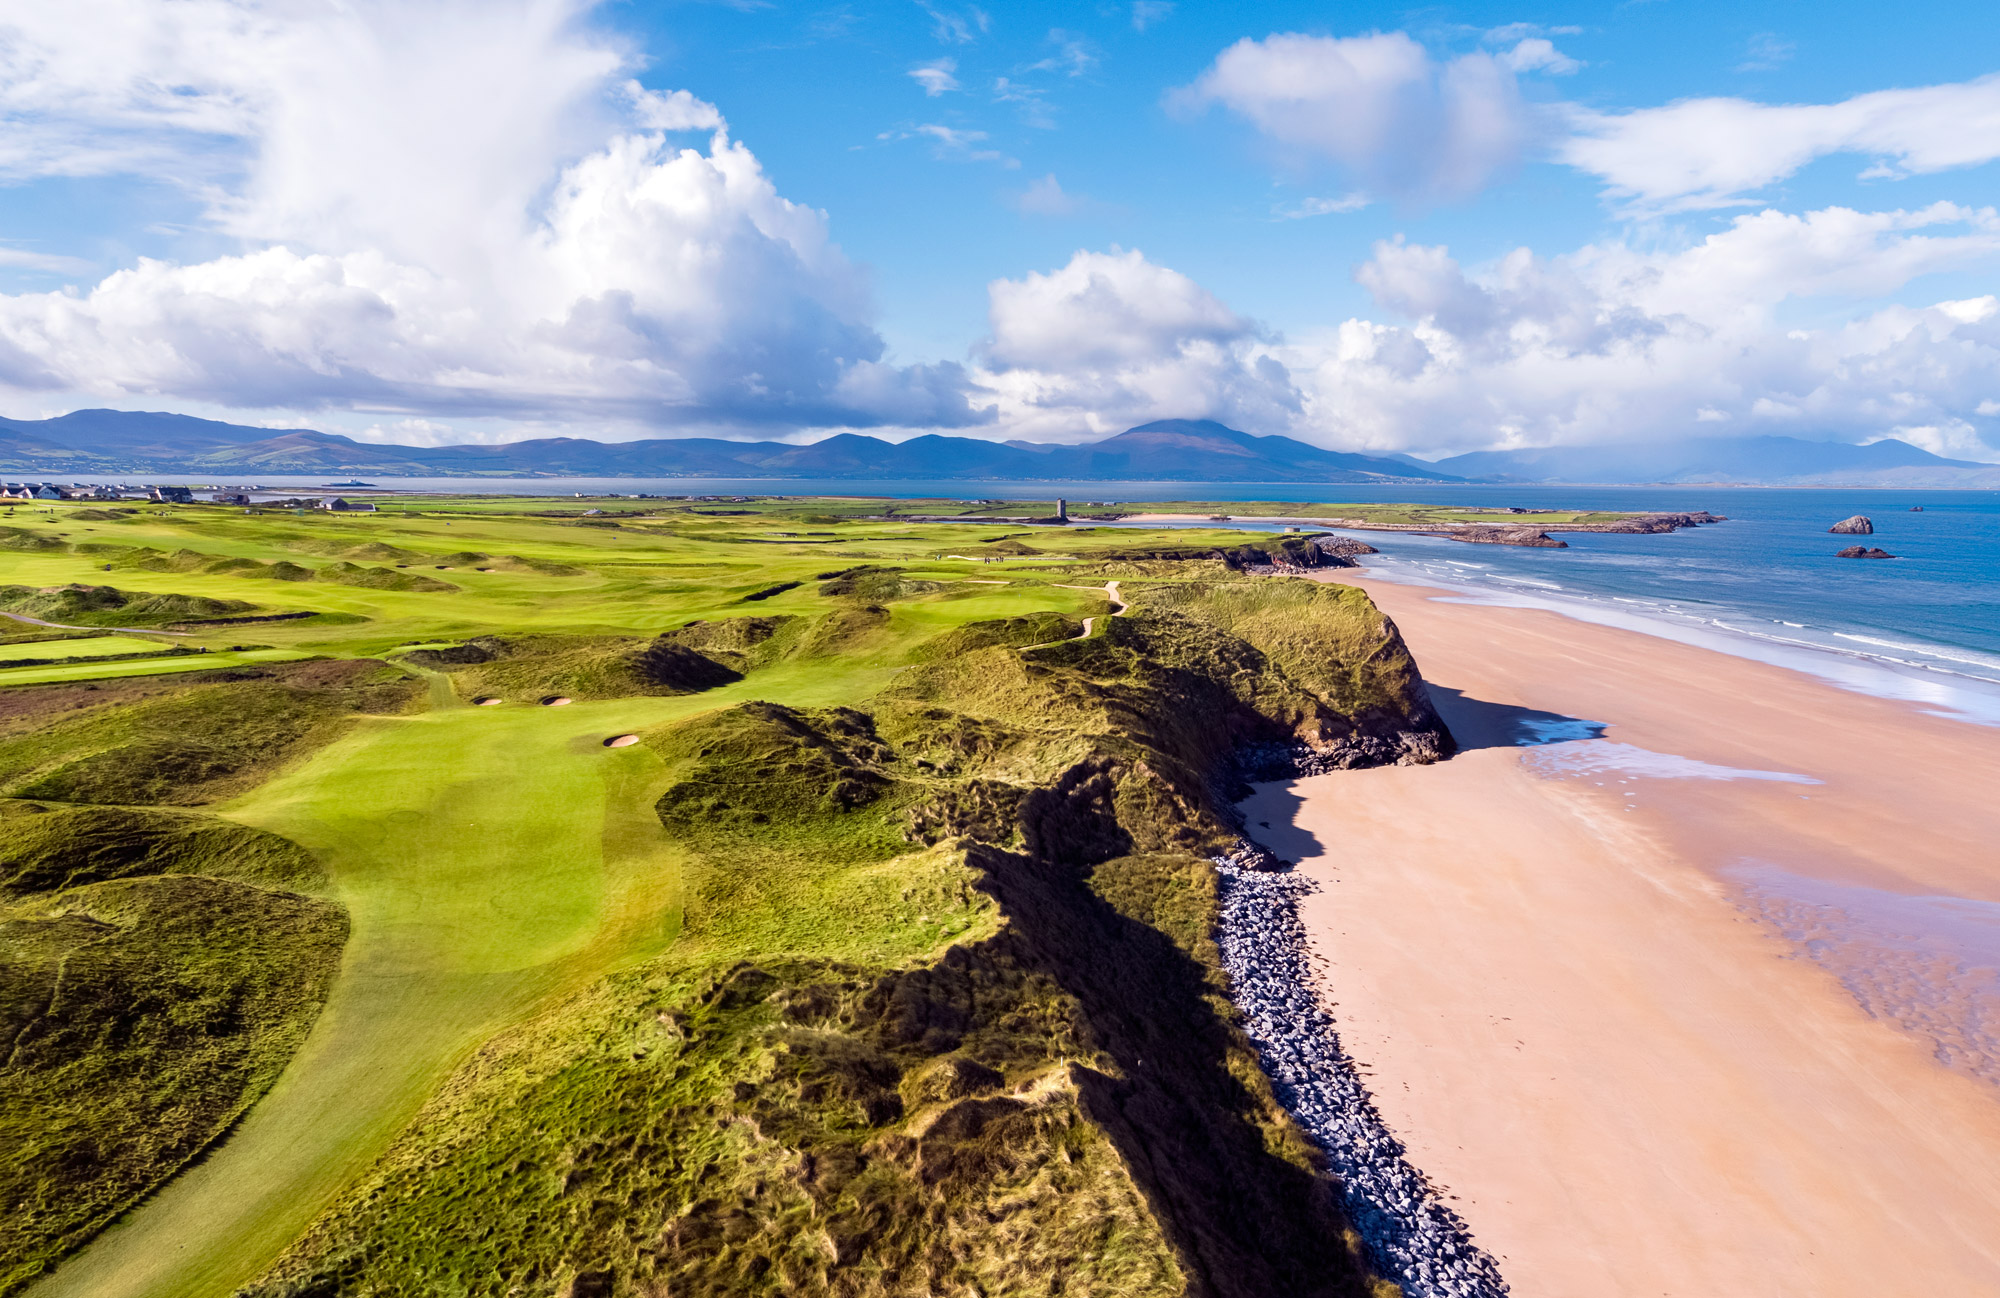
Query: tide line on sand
x=1412 y=1236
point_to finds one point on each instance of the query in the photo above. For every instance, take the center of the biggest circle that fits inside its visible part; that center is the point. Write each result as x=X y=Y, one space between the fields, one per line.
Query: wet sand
x=1577 y=973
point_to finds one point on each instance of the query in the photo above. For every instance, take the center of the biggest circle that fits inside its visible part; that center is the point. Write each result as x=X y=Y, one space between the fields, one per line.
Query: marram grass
x=880 y=966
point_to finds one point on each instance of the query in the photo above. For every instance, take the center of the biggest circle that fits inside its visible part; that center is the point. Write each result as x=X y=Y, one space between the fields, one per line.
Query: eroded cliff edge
x=946 y=1014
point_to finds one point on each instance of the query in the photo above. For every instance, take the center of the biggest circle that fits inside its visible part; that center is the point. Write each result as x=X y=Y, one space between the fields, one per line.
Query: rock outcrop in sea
x=1339 y=551
x=1855 y=526
x=1480 y=535
x=1863 y=552
x=1412 y=1236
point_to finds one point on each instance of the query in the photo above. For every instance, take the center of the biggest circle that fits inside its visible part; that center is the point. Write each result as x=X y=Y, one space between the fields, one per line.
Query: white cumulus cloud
x=1402 y=123
x=1613 y=343
x=444 y=208
x=1610 y=342
x=1703 y=153
x=1112 y=339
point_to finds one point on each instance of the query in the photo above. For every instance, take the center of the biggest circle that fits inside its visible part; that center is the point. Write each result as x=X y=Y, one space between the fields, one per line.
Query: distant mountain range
x=99 y=444
x=1771 y=461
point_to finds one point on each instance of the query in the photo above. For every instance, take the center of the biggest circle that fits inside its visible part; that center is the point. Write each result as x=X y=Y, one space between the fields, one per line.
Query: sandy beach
x=1694 y=1006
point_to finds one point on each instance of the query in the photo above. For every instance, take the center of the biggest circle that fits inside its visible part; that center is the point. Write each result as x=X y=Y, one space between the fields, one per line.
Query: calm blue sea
x=1923 y=626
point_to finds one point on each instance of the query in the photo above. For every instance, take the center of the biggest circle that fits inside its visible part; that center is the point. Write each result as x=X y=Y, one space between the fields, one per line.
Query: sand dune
x=1578 y=1009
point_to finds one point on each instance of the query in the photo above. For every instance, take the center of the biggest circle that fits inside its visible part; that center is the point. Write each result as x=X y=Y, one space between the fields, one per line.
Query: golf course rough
x=878 y=963
x=157 y=970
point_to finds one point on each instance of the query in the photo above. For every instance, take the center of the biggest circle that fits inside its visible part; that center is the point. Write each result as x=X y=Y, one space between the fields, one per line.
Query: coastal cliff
x=1532 y=531
x=1056 y=1093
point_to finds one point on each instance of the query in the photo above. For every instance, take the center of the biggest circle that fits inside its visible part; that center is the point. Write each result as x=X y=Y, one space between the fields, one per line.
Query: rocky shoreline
x=1529 y=531
x=1534 y=536
x=1412 y=1236
x=1537 y=534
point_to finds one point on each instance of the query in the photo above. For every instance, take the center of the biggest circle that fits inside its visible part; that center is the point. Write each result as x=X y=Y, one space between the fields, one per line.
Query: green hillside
x=722 y=905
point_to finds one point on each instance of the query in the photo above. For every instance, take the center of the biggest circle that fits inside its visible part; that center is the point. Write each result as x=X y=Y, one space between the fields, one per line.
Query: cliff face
x=945 y=1014
x=1290 y=554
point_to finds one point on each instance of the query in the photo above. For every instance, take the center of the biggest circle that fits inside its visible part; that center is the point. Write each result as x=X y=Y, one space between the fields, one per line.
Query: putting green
x=489 y=857
x=94 y=646
x=96 y=671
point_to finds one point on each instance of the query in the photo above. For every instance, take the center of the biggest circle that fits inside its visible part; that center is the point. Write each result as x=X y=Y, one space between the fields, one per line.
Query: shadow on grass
x=1245 y=1221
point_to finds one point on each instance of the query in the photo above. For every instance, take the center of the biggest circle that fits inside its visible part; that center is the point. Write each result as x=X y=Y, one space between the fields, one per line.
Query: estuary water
x=1923 y=626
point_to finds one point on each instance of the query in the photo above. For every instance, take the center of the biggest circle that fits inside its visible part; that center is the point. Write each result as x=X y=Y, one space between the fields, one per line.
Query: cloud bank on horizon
x=466 y=219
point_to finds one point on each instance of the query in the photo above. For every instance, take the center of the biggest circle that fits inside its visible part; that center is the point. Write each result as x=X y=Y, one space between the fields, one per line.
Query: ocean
x=1924 y=626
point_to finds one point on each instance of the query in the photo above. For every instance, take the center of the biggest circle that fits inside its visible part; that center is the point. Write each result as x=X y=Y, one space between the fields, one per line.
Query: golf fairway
x=488 y=857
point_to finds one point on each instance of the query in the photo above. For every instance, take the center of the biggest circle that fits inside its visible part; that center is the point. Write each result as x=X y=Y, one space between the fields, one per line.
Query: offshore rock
x=1339 y=551
x=1480 y=535
x=1863 y=552
x=1649 y=524
x=1855 y=526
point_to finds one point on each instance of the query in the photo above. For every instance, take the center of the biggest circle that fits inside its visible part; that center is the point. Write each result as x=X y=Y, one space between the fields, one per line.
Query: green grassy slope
x=95 y=646
x=212 y=736
x=83 y=605
x=156 y=972
x=944 y=1015
x=472 y=894
x=881 y=966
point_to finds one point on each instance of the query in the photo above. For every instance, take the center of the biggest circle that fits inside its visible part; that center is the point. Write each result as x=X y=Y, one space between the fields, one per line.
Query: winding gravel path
x=1118 y=607
x=1412 y=1236
x=103 y=630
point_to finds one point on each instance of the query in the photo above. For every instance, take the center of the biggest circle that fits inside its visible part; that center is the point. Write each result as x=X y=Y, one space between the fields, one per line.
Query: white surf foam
x=1598 y=756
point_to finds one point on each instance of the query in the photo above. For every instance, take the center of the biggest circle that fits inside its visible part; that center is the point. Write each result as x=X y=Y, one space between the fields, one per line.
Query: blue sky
x=1197 y=191
x=1426 y=229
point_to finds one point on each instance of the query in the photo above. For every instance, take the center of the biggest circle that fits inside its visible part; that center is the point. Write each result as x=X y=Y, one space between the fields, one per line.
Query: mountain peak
x=1193 y=430
x=1767 y=459
x=1166 y=450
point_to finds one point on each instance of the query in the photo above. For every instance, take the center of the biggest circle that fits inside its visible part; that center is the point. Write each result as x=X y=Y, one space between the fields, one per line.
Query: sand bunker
x=621 y=741
x=488 y=702
x=556 y=701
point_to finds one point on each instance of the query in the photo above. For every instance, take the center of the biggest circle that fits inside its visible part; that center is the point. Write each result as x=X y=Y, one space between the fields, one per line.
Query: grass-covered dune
x=157 y=970
x=82 y=605
x=196 y=739
x=879 y=964
x=944 y=1015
